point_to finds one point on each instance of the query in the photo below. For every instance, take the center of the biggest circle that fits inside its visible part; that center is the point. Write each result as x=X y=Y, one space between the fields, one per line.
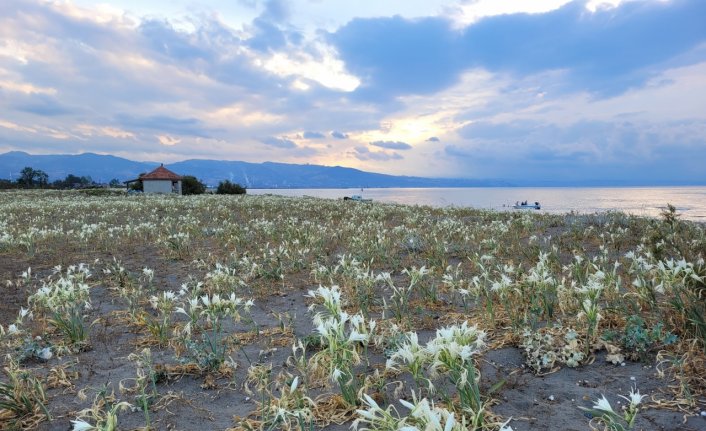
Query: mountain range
x=103 y=168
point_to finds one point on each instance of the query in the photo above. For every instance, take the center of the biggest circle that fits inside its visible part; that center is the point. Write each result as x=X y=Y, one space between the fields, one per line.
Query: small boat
x=527 y=206
x=357 y=198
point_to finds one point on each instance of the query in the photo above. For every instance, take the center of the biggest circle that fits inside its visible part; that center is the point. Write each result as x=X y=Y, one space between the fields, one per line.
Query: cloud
x=398 y=56
x=164 y=39
x=279 y=142
x=180 y=126
x=392 y=145
x=314 y=135
x=433 y=139
x=270 y=31
x=339 y=135
x=113 y=132
x=168 y=140
x=583 y=149
x=42 y=105
x=518 y=129
x=363 y=153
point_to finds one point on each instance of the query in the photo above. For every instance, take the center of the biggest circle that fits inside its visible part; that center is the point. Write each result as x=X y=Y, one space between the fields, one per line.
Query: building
x=160 y=180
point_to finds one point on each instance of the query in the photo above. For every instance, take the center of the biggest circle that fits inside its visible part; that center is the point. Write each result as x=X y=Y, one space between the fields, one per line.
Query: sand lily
x=64 y=297
x=79 y=425
x=603 y=411
x=344 y=336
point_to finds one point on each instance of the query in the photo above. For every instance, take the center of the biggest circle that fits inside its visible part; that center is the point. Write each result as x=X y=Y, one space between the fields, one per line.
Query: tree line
x=31 y=178
x=191 y=185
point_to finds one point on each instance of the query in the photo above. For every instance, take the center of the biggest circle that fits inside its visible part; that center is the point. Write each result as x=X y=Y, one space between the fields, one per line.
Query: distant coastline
x=283 y=176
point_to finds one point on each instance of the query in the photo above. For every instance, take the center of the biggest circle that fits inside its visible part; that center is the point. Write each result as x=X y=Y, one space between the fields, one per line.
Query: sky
x=555 y=90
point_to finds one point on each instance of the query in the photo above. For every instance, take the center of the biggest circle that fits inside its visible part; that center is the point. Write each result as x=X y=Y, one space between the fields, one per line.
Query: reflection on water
x=646 y=201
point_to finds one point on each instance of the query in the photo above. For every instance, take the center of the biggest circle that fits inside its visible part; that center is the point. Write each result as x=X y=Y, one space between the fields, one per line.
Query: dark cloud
x=604 y=52
x=392 y=145
x=276 y=10
x=433 y=139
x=461 y=152
x=363 y=153
x=506 y=131
x=279 y=142
x=268 y=36
x=161 y=123
x=339 y=135
x=314 y=135
x=271 y=32
x=397 y=56
x=585 y=149
x=164 y=39
x=43 y=105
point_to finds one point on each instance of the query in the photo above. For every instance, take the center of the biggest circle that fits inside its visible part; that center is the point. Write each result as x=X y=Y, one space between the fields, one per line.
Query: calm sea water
x=645 y=201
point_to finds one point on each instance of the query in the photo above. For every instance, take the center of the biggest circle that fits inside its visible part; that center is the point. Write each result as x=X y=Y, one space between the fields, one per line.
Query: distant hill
x=103 y=168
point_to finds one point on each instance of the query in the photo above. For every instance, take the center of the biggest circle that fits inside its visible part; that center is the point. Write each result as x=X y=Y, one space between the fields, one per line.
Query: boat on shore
x=357 y=198
x=527 y=206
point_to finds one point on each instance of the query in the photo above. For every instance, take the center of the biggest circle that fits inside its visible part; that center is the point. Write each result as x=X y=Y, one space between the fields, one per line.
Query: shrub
x=228 y=188
x=137 y=186
x=191 y=185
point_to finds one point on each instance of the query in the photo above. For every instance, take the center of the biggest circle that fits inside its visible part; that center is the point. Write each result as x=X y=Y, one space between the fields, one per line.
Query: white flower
x=80 y=425
x=450 y=422
x=371 y=402
x=634 y=398
x=357 y=336
x=407 y=404
x=602 y=404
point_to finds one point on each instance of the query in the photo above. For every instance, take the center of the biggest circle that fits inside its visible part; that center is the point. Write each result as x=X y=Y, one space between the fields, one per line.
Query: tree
x=137 y=185
x=191 y=185
x=30 y=177
x=228 y=188
x=26 y=177
x=41 y=177
x=115 y=183
x=72 y=181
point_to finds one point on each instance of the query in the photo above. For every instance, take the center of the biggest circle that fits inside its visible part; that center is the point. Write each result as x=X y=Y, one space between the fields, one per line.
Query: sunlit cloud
x=22 y=87
x=102 y=14
x=241 y=115
x=467 y=13
x=16 y=127
x=326 y=70
x=113 y=132
x=168 y=140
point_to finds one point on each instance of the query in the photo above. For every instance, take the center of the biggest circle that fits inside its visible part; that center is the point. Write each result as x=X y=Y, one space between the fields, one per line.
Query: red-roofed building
x=160 y=180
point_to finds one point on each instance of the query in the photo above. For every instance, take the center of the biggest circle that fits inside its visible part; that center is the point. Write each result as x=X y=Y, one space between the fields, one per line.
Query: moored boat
x=527 y=206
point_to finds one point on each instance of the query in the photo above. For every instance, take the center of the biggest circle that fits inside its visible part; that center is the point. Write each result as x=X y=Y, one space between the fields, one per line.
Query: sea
x=690 y=202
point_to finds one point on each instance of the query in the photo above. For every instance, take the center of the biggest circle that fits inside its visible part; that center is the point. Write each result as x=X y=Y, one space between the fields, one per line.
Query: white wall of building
x=160 y=186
